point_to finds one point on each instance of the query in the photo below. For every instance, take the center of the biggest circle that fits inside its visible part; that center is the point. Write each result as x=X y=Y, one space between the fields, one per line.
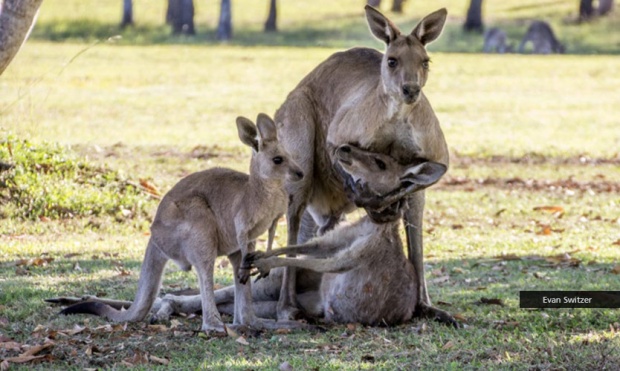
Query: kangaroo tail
x=148 y=287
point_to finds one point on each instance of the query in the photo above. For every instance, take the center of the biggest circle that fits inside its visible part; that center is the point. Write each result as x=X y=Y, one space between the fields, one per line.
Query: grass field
x=530 y=203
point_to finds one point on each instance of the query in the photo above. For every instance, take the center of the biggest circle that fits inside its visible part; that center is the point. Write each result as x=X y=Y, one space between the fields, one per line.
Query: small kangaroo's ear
x=429 y=28
x=247 y=132
x=423 y=175
x=380 y=26
x=266 y=128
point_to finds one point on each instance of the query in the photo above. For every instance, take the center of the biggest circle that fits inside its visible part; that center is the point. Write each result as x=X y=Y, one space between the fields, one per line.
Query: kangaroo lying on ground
x=543 y=39
x=214 y=212
x=374 y=101
x=495 y=40
x=366 y=276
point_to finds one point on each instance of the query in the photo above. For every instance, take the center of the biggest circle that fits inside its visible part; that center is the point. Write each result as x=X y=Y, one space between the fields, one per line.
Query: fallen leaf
x=4 y=365
x=545 y=231
x=492 y=301
x=563 y=259
x=149 y=187
x=617 y=242
x=241 y=340
x=616 y=269
x=441 y=279
x=137 y=359
x=157 y=328
x=550 y=209
x=285 y=366
x=459 y=317
x=11 y=345
x=507 y=257
x=448 y=345
x=162 y=361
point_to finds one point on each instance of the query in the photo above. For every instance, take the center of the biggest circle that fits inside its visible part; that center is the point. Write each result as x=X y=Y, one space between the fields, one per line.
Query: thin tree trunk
x=127 y=13
x=374 y=3
x=605 y=6
x=17 y=17
x=586 y=9
x=397 y=6
x=224 y=27
x=473 y=22
x=180 y=15
x=271 y=23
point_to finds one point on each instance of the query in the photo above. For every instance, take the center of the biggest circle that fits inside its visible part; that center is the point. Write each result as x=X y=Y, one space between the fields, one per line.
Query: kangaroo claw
x=437 y=314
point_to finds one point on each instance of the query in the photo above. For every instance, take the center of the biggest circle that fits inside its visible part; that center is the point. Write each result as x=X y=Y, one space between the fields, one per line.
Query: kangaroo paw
x=289 y=313
x=427 y=311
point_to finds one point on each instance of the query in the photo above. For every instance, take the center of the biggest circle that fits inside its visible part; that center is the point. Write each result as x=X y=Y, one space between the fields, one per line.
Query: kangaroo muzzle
x=411 y=93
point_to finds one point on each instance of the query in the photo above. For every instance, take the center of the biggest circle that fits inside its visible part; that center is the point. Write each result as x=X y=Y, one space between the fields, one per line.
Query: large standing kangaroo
x=373 y=101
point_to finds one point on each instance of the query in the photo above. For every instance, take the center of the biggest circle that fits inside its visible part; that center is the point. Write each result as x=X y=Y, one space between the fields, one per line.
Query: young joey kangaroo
x=366 y=275
x=209 y=213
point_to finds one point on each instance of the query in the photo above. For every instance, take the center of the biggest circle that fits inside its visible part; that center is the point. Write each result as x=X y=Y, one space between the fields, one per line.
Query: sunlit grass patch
x=49 y=181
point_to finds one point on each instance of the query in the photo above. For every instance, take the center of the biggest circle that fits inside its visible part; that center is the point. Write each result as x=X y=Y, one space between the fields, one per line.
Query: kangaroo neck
x=394 y=108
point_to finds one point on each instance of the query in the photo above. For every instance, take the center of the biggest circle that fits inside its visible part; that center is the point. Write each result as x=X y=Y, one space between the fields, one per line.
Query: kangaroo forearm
x=332 y=265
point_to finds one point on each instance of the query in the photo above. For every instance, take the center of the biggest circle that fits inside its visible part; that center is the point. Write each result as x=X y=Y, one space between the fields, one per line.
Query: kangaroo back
x=543 y=40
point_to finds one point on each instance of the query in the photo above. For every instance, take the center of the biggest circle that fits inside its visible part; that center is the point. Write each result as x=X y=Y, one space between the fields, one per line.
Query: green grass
x=524 y=132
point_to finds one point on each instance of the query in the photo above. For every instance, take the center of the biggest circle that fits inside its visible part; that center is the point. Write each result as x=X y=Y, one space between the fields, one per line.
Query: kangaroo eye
x=425 y=65
x=380 y=163
x=278 y=160
x=392 y=62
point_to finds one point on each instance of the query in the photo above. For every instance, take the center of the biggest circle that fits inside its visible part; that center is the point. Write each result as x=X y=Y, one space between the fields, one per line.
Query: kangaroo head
x=405 y=64
x=382 y=174
x=270 y=161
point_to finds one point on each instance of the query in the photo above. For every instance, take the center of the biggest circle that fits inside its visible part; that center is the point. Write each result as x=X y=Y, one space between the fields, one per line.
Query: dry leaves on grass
x=491 y=301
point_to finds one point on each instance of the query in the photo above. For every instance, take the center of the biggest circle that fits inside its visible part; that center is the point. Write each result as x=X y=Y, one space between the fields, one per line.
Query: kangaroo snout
x=295 y=174
x=411 y=92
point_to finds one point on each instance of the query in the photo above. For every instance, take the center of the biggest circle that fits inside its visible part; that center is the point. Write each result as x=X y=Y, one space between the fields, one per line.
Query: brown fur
x=210 y=213
x=366 y=276
x=355 y=97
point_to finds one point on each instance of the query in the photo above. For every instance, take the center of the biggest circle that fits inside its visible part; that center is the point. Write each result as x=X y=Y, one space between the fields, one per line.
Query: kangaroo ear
x=380 y=26
x=430 y=27
x=247 y=132
x=423 y=175
x=266 y=128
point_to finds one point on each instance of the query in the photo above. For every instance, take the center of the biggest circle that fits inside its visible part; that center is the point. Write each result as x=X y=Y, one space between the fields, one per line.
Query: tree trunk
x=586 y=9
x=17 y=17
x=127 y=13
x=271 y=23
x=374 y=3
x=224 y=27
x=473 y=22
x=605 y=6
x=397 y=6
x=180 y=15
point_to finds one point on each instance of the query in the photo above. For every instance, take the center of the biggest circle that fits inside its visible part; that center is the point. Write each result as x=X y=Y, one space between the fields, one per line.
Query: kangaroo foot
x=428 y=311
x=213 y=328
x=289 y=313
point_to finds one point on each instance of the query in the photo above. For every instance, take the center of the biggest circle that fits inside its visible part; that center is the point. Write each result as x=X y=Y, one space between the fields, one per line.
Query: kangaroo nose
x=298 y=174
x=411 y=91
